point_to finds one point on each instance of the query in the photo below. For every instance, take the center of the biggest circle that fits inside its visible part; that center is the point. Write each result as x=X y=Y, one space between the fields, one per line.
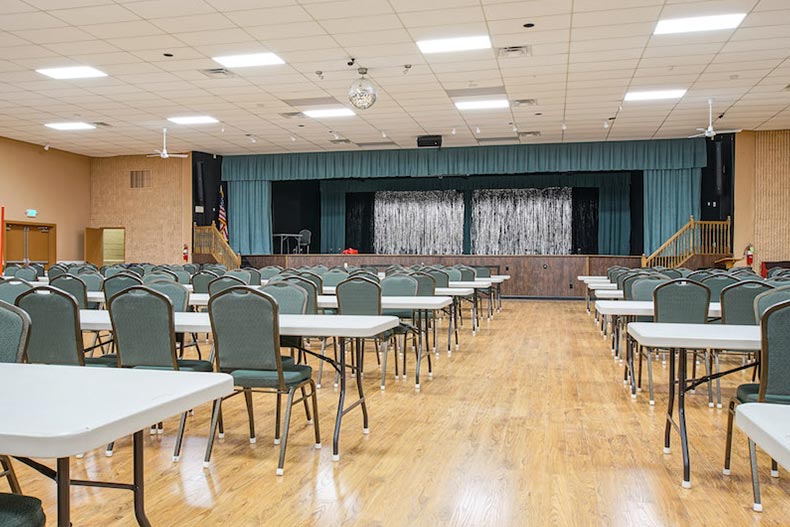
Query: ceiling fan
x=709 y=132
x=163 y=152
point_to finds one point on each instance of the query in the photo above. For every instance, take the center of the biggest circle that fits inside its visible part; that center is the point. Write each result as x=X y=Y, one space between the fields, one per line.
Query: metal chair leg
x=250 y=413
x=284 y=443
x=8 y=471
x=278 y=413
x=180 y=437
x=757 y=506
x=728 y=443
x=315 y=414
x=212 y=431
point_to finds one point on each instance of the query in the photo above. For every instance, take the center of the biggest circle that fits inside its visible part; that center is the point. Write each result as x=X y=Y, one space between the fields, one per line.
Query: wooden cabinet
x=105 y=246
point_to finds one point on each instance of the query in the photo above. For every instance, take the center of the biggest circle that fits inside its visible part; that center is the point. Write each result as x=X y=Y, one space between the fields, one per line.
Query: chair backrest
x=201 y=280
x=143 y=328
x=11 y=289
x=26 y=273
x=621 y=277
x=483 y=272
x=159 y=276
x=699 y=276
x=681 y=301
x=117 y=283
x=11 y=269
x=399 y=285
x=779 y=280
x=73 y=285
x=306 y=237
x=314 y=278
x=467 y=274
x=310 y=289
x=775 y=353
x=241 y=274
x=333 y=277
x=426 y=284
x=717 y=282
x=441 y=278
x=737 y=302
x=628 y=283
x=642 y=289
x=55 y=335
x=110 y=271
x=769 y=298
x=255 y=275
x=672 y=273
x=269 y=271
x=319 y=269
x=245 y=324
x=191 y=268
x=775 y=270
x=55 y=271
x=14 y=332
x=182 y=276
x=136 y=270
x=358 y=296
x=93 y=281
x=454 y=274
x=224 y=282
x=175 y=292
x=163 y=269
x=291 y=298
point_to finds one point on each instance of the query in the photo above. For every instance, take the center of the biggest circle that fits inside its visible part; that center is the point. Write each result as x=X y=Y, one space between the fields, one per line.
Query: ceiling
x=585 y=55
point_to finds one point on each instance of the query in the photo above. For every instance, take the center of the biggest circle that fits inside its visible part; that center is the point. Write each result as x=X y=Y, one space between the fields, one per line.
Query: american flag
x=223 y=216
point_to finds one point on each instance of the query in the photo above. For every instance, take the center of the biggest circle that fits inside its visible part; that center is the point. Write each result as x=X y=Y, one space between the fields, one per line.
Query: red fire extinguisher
x=749 y=254
x=185 y=253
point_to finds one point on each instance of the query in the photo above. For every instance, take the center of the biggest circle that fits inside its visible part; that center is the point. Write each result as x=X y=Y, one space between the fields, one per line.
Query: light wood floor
x=528 y=424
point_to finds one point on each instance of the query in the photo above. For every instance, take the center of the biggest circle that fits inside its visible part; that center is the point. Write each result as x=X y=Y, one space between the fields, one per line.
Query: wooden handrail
x=208 y=240
x=695 y=238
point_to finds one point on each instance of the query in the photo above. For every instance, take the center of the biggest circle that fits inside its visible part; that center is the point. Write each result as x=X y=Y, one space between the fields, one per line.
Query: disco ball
x=362 y=94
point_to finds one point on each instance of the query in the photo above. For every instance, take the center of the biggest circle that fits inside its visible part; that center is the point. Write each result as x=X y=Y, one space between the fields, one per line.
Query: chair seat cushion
x=293 y=374
x=195 y=365
x=21 y=511
x=400 y=313
x=104 y=361
x=748 y=393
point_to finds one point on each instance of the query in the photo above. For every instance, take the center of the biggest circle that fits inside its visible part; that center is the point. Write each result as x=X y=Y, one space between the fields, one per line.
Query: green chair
x=159 y=276
x=255 y=275
x=55 y=334
x=27 y=274
x=11 y=289
x=717 y=282
x=245 y=325
x=55 y=271
x=774 y=385
x=292 y=299
x=200 y=281
x=93 y=281
x=17 y=510
x=775 y=271
x=74 y=286
x=316 y=279
x=191 y=268
x=117 y=283
x=482 y=272
x=269 y=271
x=241 y=274
x=221 y=283
x=144 y=330
x=769 y=298
x=182 y=276
x=333 y=277
x=14 y=333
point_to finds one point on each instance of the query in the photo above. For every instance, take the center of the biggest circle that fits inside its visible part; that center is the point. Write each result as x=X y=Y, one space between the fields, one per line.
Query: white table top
x=395 y=302
x=61 y=411
x=598 y=286
x=609 y=294
x=502 y=277
x=640 y=308
x=695 y=336
x=477 y=284
x=592 y=278
x=293 y=325
x=768 y=425
x=440 y=291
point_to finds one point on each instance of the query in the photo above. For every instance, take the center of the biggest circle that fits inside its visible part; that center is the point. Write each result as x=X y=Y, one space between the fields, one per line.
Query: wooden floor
x=528 y=424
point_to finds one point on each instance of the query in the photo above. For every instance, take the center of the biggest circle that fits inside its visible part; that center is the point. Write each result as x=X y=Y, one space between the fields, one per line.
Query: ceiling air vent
x=292 y=115
x=525 y=135
x=340 y=141
x=140 y=179
x=512 y=52
x=217 y=73
x=525 y=102
x=101 y=124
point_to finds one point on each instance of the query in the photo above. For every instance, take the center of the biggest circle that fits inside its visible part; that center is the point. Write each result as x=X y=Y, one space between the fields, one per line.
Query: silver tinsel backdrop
x=522 y=221
x=430 y=222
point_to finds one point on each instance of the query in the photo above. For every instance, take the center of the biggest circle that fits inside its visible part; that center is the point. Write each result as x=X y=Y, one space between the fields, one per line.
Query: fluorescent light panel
x=654 y=95
x=193 y=119
x=70 y=126
x=330 y=112
x=698 y=23
x=444 y=45
x=75 y=72
x=482 y=105
x=249 y=60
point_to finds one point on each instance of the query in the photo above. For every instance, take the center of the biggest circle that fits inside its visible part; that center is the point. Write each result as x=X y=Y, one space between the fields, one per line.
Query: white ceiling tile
x=96 y=14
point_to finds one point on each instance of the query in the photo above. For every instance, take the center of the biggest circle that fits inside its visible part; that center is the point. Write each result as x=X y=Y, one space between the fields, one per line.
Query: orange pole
x=2 y=236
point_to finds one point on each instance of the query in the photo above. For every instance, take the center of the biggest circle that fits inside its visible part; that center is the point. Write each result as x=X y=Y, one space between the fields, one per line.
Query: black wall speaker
x=425 y=141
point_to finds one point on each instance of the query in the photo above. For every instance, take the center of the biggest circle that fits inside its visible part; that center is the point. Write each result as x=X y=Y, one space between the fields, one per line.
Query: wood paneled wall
x=158 y=218
x=531 y=276
x=772 y=196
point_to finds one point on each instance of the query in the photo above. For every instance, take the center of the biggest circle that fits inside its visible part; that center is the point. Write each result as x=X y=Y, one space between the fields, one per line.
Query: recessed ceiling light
x=329 y=112
x=698 y=23
x=444 y=45
x=654 y=95
x=193 y=119
x=482 y=105
x=249 y=60
x=70 y=126
x=75 y=72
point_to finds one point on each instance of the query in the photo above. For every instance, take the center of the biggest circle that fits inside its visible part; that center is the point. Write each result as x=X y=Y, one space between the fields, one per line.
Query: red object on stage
x=350 y=250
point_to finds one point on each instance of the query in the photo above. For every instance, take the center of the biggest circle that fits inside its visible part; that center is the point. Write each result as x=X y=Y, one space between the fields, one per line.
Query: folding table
x=61 y=411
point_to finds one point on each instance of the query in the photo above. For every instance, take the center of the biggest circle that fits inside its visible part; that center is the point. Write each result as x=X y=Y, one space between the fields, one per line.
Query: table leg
x=684 y=445
x=587 y=298
x=670 y=401
x=419 y=349
x=340 y=402
x=63 y=481
x=456 y=309
x=475 y=321
x=360 y=391
x=139 y=472
x=450 y=329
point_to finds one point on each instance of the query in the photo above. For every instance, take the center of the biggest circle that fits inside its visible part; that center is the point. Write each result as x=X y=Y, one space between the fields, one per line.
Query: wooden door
x=14 y=243
x=38 y=244
x=94 y=250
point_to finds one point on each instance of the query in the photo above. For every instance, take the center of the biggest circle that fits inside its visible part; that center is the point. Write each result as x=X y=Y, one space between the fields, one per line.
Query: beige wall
x=54 y=182
x=762 y=194
x=157 y=219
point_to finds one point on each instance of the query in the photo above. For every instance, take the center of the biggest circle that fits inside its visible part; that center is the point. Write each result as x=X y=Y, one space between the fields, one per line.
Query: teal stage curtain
x=514 y=159
x=333 y=221
x=250 y=216
x=671 y=198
